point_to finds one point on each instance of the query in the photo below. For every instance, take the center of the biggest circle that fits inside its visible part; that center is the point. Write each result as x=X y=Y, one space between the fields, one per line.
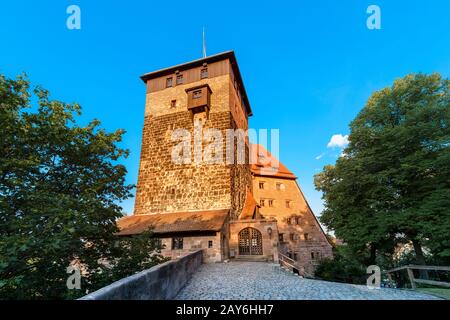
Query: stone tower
x=194 y=96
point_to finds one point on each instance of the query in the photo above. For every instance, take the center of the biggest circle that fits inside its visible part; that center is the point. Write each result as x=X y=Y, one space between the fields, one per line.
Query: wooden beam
x=434 y=283
x=411 y=278
x=437 y=268
x=416 y=267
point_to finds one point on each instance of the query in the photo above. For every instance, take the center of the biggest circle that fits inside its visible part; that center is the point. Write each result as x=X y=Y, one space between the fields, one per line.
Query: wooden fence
x=413 y=281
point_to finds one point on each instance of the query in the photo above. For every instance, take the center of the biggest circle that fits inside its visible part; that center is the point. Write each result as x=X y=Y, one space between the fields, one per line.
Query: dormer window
x=180 y=79
x=204 y=73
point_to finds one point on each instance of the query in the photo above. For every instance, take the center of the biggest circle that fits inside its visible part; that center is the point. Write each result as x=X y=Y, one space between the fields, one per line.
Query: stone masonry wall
x=165 y=186
x=293 y=233
x=213 y=254
x=162 y=282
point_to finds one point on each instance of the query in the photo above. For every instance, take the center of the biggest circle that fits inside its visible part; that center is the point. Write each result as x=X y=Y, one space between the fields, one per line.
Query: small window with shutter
x=180 y=79
x=169 y=82
x=197 y=94
x=204 y=73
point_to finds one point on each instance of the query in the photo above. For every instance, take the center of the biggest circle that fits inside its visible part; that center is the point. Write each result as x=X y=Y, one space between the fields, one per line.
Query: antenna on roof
x=204 y=43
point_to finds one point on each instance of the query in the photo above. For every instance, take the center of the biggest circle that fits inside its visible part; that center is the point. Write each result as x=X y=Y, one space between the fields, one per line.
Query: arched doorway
x=250 y=242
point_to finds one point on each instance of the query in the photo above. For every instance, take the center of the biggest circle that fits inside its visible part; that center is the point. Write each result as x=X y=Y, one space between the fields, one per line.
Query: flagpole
x=204 y=43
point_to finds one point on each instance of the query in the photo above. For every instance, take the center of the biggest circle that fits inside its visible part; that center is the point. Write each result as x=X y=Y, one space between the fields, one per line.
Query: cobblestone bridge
x=261 y=281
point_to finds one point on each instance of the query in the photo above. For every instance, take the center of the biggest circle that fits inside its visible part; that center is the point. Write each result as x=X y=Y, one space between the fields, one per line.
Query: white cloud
x=320 y=156
x=338 y=140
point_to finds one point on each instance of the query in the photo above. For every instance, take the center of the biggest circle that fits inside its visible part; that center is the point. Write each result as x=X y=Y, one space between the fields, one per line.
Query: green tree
x=392 y=183
x=59 y=188
x=342 y=268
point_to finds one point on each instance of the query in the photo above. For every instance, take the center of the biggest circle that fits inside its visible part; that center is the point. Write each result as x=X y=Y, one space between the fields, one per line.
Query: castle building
x=196 y=194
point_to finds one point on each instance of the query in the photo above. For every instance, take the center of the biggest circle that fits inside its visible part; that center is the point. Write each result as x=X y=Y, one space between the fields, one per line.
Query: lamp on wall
x=269 y=232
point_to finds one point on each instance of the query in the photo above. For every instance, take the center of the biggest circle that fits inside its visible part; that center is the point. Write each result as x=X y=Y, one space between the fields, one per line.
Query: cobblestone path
x=263 y=281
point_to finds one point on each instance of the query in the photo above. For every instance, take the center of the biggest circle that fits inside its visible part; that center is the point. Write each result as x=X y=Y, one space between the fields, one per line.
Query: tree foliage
x=392 y=183
x=60 y=185
x=342 y=268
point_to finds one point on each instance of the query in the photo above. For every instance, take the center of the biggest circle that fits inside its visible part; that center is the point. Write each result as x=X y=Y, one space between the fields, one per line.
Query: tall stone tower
x=198 y=95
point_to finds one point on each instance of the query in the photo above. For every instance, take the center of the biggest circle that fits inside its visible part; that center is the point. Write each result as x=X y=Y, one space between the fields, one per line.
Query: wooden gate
x=250 y=242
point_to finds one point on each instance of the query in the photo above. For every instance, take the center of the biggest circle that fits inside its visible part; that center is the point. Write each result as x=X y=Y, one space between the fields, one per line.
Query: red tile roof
x=249 y=208
x=211 y=220
x=265 y=164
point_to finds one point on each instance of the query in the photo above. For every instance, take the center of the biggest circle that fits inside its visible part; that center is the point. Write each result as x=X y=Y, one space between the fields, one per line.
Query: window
x=204 y=73
x=280 y=186
x=173 y=103
x=180 y=79
x=306 y=236
x=261 y=185
x=295 y=256
x=297 y=220
x=261 y=202
x=295 y=237
x=210 y=244
x=169 y=82
x=288 y=203
x=177 y=243
x=280 y=237
x=315 y=255
x=288 y=220
x=197 y=94
x=270 y=203
x=292 y=236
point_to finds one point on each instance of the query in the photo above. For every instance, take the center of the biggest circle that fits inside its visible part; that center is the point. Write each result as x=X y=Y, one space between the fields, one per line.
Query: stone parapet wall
x=161 y=282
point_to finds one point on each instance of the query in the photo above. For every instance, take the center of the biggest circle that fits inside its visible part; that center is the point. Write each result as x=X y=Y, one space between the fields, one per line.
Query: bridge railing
x=421 y=280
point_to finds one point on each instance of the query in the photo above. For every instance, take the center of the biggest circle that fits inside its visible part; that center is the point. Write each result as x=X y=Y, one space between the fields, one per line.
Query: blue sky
x=308 y=66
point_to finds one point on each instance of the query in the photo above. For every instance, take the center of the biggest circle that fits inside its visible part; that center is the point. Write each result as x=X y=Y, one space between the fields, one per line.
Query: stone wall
x=192 y=243
x=162 y=282
x=165 y=186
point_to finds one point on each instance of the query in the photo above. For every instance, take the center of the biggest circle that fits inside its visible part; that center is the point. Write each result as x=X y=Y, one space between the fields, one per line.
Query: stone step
x=252 y=258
